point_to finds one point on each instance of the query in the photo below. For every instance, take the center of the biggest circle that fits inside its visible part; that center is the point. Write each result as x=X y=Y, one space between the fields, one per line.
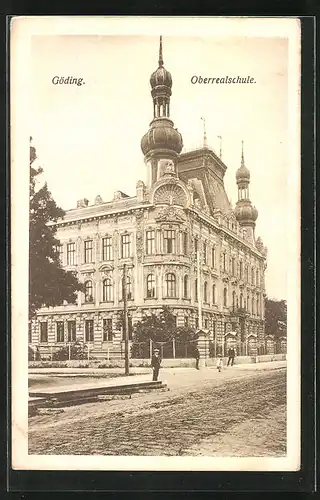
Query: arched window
x=233 y=300
x=240 y=269
x=205 y=292
x=107 y=290
x=170 y=285
x=196 y=289
x=185 y=286
x=213 y=294
x=225 y=297
x=88 y=294
x=129 y=288
x=151 y=286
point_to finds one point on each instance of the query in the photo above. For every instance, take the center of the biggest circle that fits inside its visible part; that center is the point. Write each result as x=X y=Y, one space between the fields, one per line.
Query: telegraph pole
x=125 y=321
x=199 y=291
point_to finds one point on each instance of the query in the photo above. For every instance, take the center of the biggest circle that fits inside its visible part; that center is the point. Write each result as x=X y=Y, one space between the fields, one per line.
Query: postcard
x=155 y=237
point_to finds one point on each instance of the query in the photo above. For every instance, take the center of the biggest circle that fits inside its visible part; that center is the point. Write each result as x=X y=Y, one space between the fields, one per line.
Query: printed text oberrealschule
x=226 y=79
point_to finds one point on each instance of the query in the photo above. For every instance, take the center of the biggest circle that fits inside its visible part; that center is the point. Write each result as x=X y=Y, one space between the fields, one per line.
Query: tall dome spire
x=162 y=141
x=246 y=214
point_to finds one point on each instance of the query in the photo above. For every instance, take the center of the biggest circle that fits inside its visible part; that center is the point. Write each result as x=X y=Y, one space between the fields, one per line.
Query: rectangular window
x=233 y=266
x=89 y=330
x=185 y=243
x=125 y=246
x=206 y=323
x=224 y=260
x=60 y=331
x=107 y=330
x=150 y=242
x=71 y=254
x=213 y=257
x=60 y=252
x=43 y=331
x=240 y=269
x=169 y=240
x=186 y=321
x=195 y=246
x=107 y=248
x=88 y=247
x=29 y=333
x=197 y=323
x=204 y=253
x=71 y=331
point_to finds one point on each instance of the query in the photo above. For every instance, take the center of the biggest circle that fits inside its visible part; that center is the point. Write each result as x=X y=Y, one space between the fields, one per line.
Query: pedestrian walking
x=219 y=363
x=197 y=356
x=155 y=363
x=231 y=356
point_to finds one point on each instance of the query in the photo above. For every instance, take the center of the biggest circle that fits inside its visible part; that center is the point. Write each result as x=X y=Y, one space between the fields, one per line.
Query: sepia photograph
x=155 y=243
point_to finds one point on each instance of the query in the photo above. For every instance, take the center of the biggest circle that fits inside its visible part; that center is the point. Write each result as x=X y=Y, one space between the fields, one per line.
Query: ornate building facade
x=181 y=241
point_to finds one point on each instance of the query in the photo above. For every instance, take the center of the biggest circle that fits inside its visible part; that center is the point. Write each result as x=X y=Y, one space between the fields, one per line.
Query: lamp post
x=125 y=321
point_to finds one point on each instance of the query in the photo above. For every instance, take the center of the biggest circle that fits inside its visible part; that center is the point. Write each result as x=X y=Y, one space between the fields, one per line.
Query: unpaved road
x=243 y=416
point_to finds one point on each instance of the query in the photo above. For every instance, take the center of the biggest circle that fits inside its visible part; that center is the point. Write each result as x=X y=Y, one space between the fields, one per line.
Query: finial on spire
x=205 y=145
x=242 y=155
x=160 y=52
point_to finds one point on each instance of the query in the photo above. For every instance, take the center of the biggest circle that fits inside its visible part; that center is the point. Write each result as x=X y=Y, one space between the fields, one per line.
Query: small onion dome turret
x=245 y=212
x=162 y=136
x=161 y=77
x=243 y=174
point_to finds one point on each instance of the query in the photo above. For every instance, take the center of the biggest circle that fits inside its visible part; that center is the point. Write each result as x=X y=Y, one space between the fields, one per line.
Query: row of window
x=69 y=335
x=170 y=291
x=66 y=331
x=169 y=239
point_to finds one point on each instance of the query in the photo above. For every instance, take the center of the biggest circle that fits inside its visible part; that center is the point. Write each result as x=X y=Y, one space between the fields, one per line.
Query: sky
x=88 y=137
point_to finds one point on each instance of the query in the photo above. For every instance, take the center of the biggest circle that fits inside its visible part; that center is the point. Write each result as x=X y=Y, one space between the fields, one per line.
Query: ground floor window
x=107 y=330
x=43 y=331
x=60 y=331
x=71 y=331
x=89 y=330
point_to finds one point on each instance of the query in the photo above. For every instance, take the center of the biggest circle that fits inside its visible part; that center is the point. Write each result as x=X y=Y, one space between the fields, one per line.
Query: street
x=240 y=412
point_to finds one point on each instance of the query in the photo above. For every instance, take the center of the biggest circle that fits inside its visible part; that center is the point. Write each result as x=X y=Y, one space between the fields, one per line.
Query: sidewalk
x=174 y=378
x=269 y=365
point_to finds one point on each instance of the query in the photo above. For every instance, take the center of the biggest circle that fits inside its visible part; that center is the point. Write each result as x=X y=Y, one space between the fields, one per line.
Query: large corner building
x=182 y=211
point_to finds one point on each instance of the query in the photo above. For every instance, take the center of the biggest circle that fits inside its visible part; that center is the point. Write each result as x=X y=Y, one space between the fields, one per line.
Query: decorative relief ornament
x=171 y=194
x=171 y=214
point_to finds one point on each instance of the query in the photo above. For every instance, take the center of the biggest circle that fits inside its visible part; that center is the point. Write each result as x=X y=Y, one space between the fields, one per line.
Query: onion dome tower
x=246 y=214
x=162 y=143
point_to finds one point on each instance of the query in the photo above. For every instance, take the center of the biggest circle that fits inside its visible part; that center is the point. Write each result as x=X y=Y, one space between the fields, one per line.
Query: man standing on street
x=155 y=363
x=231 y=356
